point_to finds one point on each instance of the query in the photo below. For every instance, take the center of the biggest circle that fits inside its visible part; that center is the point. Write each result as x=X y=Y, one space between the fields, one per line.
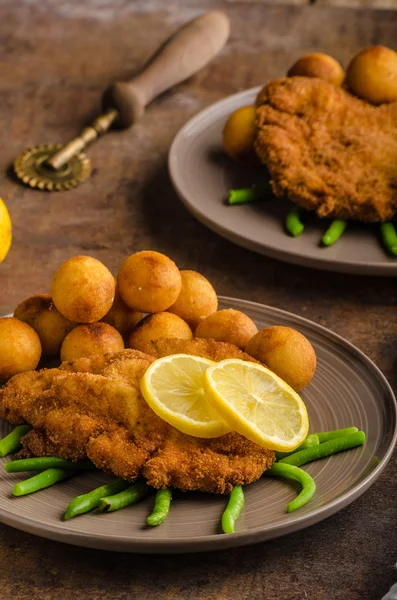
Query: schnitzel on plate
x=93 y=407
x=328 y=151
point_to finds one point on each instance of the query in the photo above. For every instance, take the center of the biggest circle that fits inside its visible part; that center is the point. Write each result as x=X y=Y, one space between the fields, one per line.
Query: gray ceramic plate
x=202 y=175
x=348 y=389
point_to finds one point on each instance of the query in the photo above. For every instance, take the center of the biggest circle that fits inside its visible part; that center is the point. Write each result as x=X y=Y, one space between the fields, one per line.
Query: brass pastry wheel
x=33 y=168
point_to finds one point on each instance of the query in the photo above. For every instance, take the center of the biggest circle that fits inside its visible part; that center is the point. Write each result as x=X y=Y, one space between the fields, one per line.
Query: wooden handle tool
x=183 y=54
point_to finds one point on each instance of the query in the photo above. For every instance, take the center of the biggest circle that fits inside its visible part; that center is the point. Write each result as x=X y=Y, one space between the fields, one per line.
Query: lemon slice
x=257 y=404
x=173 y=388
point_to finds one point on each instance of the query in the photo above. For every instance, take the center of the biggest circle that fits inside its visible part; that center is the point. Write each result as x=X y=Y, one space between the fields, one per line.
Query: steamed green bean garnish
x=131 y=495
x=12 y=441
x=291 y=472
x=41 y=481
x=332 y=446
x=311 y=440
x=334 y=232
x=41 y=463
x=246 y=195
x=86 y=502
x=389 y=237
x=233 y=509
x=162 y=504
x=293 y=223
x=324 y=436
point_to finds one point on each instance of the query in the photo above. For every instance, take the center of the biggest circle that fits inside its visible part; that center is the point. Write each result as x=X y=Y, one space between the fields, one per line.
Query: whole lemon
x=5 y=231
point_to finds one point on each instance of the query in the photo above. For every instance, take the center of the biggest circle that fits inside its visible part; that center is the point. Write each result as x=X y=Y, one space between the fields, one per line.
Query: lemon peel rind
x=208 y=430
x=244 y=427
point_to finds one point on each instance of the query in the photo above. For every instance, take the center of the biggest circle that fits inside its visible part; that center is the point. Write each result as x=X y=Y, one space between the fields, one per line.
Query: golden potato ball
x=91 y=339
x=40 y=312
x=227 y=325
x=286 y=352
x=121 y=317
x=20 y=348
x=319 y=65
x=372 y=75
x=149 y=281
x=156 y=326
x=197 y=299
x=83 y=289
x=239 y=135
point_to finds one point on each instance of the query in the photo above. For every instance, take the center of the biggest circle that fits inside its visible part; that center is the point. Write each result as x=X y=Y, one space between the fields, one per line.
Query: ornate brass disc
x=32 y=168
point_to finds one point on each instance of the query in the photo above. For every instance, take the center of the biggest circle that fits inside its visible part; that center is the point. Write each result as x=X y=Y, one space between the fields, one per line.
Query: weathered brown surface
x=388 y=4
x=57 y=57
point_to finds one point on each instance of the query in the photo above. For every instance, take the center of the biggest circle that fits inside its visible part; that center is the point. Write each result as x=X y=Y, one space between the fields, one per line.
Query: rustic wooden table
x=57 y=57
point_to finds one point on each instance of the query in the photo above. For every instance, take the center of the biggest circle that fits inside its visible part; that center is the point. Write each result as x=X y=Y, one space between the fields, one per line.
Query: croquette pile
x=89 y=313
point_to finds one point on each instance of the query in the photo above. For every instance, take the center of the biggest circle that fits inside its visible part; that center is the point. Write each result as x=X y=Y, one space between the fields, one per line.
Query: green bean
x=389 y=237
x=334 y=232
x=292 y=472
x=311 y=440
x=46 y=462
x=131 y=495
x=324 y=436
x=325 y=449
x=161 y=509
x=41 y=481
x=86 y=502
x=12 y=441
x=293 y=224
x=233 y=509
x=246 y=195
x=317 y=438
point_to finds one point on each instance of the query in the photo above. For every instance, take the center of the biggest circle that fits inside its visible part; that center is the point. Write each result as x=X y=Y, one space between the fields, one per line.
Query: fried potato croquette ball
x=149 y=281
x=121 y=317
x=318 y=65
x=20 y=348
x=239 y=135
x=156 y=326
x=83 y=289
x=227 y=325
x=40 y=312
x=286 y=352
x=90 y=340
x=372 y=75
x=197 y=299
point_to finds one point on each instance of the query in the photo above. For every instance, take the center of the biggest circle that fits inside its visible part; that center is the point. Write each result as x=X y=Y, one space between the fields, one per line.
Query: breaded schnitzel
x=94 y=408
x=328 y=151
x=210 y=349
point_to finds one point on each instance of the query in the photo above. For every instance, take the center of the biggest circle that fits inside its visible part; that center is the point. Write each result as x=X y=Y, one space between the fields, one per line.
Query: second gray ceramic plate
x=202 y=175
x=347 y=389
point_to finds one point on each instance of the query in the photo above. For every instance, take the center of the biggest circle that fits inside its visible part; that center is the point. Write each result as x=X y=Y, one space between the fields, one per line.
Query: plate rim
x=218 y=541
x=380 y=269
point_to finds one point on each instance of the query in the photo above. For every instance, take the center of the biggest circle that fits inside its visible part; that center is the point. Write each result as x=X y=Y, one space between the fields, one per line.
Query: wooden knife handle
x=182 y=55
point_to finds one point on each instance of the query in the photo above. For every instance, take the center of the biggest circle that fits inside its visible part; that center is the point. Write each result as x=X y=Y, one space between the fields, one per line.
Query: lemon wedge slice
x=257 y=404
x=173 y=388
